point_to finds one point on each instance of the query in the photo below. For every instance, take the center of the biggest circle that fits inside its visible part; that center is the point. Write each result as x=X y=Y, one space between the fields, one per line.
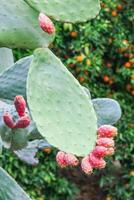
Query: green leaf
x=67 y=10
x=108 y=111
x=19 y=27
x=9 y=189
x=6 y=58
x=59 y=105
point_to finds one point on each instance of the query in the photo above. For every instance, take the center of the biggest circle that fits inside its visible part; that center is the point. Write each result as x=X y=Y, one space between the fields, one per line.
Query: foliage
x=43 y=180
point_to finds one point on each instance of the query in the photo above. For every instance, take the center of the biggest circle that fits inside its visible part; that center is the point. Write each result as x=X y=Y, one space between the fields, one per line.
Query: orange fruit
x=88 y=62
x=132 y=77
x=106 y=78
x=120 y=7
x=114 y=13
x=132 y=92
x=81 y=79
x=47 y=150
x=79 y=58
x=108 y=198
x=73 y=34
x=127 y=64
x=131 y=61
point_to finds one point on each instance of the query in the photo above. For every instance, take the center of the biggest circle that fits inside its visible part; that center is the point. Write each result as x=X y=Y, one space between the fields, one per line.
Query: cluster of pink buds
x=66 y=159
x=46 y=24
x=104 y=147
x=95 y=160
x=23 y=121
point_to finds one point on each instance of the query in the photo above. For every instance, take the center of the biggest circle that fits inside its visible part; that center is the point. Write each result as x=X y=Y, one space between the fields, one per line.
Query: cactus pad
x=19 y=26
x=9 y=189
x=13 y=80
x=108 y=110
x=67 y=10
x=6 y=58
x=59 y=105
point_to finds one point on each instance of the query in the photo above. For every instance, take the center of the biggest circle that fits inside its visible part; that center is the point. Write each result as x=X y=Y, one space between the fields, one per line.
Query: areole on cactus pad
x=61 y=108
x=67 y=10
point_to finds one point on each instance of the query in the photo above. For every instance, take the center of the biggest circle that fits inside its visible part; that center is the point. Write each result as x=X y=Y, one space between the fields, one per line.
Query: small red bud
x=71 y=160
x=46 y=24
x=60 y=158
x=96 y=162
x=100 y=151
x=105 y=142
x=86 y=166
x=110 y=151
x=20 y=105
x=8 y=120
x=107 y=131
x=23 y=122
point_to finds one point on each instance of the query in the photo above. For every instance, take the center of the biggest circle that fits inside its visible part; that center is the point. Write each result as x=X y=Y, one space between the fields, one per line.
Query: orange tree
x=100 y=53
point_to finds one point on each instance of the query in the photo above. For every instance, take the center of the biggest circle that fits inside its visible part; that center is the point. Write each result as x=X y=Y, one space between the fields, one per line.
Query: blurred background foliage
x=100 y=54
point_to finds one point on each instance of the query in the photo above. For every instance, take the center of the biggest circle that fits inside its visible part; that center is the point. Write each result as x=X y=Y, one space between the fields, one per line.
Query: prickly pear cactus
x=13 y=80
x=59 y=105
x=9 y=189
x=67 y=10
x=19 y=26
x=6 y=58
x=108 y=110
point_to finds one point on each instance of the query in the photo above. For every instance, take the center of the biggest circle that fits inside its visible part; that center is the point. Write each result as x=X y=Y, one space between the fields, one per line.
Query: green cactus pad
x=6 y=58
x=67 y=10
x=9 y=189
x=59 y=105
x=19 y=26
x=1 y=145
x=13 y=80
x=107 y=110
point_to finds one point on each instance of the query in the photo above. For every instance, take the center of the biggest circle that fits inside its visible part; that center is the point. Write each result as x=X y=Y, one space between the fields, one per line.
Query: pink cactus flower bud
x=86 y=166
x=60 y=158
x=7 y=118
x=46 y=24
x=100 y=151
x=20 y=105
x=105 y=142
x=71 y=160
x=107 y=131
x=110 y=151
x=96 y=162
x=23 y=122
